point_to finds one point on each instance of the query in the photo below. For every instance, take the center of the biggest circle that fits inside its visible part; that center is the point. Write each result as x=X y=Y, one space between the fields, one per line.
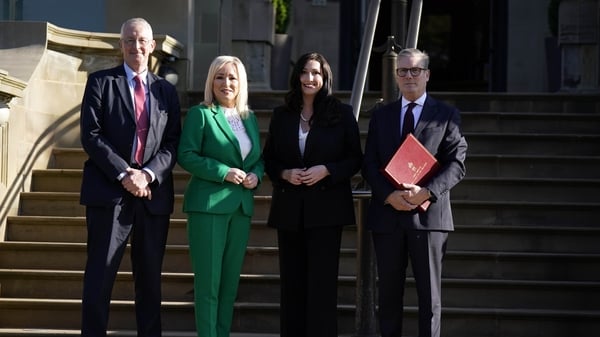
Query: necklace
x=302 y=118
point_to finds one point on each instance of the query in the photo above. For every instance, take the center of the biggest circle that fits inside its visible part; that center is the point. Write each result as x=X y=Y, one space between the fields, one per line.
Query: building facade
x=476 y=45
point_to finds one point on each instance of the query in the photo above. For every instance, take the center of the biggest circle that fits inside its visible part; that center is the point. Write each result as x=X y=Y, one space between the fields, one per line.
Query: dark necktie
x=408 y=125
x=141 y=120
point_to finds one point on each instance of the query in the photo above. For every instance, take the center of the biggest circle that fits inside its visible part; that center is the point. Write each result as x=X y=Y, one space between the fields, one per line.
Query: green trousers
x=217 y=249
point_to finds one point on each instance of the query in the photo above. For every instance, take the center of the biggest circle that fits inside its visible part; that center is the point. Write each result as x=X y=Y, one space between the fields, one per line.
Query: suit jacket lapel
x=393 y=128
x=154 y=129
x=293 y=123
x=223 y=125
x=154 y=106
x=121 y=82
x=427 y=115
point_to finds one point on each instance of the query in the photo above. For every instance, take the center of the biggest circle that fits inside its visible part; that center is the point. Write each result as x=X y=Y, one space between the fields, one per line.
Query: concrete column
x=252 y=39
x=579 y=38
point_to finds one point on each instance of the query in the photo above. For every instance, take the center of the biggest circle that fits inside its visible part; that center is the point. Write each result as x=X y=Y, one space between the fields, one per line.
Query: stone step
x=533 y=144
x=176 y=316
x=264 y=260
x=478 y=165
x=470 y=188
x=516 y=213
x=466 y=212
x=530 y=123
x=67 y=204
x=457 y=292
x=528 y=189
x=533 y=166
x=69 y=180
x=73 y=229
x=526 y=238
x=520 y=102
x=114 y=333
x=257 y=318
x=523 y=238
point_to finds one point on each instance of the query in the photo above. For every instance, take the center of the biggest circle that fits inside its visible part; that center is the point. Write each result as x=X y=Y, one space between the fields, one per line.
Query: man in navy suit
x=401 y=232
x=130 y=129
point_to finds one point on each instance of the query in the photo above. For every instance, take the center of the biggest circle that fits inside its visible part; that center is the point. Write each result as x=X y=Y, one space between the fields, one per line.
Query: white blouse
x=302 y=138
x=237 y=126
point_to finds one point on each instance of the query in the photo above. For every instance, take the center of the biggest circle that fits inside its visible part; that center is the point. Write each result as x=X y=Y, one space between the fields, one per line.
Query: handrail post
x=399 y=20
x=365 y=322
x=389 y=87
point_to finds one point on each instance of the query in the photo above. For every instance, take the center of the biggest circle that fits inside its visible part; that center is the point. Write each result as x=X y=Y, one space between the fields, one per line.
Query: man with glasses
x=401 y=232
x=130 y=127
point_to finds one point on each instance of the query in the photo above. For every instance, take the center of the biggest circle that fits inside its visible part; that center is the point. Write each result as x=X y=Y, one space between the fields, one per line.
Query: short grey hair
x=136 y=21
x=414 y=52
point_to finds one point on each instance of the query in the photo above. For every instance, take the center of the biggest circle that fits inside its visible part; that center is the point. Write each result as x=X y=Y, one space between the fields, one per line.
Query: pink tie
x=141 y=120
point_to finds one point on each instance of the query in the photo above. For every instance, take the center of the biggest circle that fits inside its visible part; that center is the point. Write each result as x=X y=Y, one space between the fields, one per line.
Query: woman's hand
x=314 y=174
x=293 y=176
x=235 y=176
x=251 y=181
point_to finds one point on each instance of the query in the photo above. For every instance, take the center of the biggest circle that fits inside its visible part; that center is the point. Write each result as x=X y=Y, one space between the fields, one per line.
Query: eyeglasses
x=416 y=71
x=132 y=42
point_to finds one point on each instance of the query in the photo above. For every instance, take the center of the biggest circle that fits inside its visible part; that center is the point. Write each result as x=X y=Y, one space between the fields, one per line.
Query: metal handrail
x=414 y=23
x=358 y=86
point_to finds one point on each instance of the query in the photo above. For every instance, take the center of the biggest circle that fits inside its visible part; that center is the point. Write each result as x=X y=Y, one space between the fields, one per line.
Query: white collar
x=131 y=74
x=420 y=101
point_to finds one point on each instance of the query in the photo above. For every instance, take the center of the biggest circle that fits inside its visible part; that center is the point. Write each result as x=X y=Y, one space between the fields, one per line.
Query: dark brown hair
x=326 y=107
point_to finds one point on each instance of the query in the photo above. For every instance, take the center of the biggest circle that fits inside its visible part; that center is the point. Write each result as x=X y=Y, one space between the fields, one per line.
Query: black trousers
x=109 y=230
x=425 y=250
x=309 y=263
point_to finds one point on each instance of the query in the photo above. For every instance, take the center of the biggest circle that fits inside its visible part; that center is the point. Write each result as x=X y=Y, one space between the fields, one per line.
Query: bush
x=282 y=15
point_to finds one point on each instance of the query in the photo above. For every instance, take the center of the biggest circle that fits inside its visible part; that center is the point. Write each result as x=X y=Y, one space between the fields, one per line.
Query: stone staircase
x=522 y=262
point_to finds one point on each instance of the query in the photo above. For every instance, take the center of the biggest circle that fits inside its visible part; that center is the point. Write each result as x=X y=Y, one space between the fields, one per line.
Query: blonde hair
x=241 y=101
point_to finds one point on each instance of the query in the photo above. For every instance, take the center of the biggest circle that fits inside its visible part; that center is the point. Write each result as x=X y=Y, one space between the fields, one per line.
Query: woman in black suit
x=311 y=153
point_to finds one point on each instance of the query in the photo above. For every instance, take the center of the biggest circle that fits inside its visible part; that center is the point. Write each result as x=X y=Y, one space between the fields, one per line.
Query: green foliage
x=282 y=15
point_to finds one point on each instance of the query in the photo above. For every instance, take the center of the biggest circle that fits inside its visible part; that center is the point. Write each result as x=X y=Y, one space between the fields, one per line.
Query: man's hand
x=398 y=200
x=136 y=182
x=408 y=198
x=416 y=194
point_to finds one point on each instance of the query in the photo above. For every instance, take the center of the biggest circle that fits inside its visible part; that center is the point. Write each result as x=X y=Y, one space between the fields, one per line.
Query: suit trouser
x=425 y=250
x=309 y=263
x=109 y=230
x=217 y=249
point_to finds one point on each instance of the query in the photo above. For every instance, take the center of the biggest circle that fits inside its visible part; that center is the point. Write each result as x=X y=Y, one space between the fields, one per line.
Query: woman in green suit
x=220 y=148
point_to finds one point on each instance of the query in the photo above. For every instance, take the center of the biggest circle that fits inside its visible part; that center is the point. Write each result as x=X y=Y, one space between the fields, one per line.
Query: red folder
x=412 y=164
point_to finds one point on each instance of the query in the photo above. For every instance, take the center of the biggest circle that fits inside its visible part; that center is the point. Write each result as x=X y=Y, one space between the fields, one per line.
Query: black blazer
x=439 y=131
x=329 y=202
x=107 y=132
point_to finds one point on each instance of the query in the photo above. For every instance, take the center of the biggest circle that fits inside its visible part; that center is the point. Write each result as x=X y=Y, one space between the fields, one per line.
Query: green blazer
x=207 y=149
